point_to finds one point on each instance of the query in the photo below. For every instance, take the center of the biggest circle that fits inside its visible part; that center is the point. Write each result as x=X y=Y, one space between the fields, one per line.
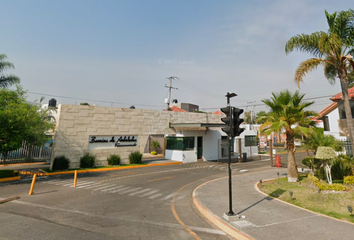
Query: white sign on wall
x=97 y=141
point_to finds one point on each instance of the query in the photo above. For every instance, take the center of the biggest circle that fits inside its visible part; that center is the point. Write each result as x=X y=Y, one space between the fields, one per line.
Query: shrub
x=155 y=145
x=113 y=159
x=87 y=161
x=8 y=173
x=325 y=186
x=349 y=180
x=135 y=157
x=28 y=160
x=311 y=162
x=153 y=153
x=340 y=169
x=61 y=163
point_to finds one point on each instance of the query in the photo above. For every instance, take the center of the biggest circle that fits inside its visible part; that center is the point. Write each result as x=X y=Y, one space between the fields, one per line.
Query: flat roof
x=196 y=125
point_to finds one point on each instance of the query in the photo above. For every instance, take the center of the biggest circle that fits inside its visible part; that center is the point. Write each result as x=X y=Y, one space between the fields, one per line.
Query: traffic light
x=236 y=112
x=227 y=120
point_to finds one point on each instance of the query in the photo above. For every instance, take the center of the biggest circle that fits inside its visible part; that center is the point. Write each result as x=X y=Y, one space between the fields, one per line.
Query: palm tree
x=333 y=50
x=318 y=139
x=6 y=80
x=288 y=112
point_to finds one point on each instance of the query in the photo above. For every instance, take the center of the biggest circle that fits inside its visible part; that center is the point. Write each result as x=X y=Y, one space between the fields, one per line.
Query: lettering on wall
x=112 y=141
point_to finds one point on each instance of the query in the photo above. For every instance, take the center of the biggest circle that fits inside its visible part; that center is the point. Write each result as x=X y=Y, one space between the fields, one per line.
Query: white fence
x=27 y=151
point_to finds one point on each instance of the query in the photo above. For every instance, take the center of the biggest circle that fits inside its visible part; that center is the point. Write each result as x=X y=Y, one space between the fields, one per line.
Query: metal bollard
x=32 y=185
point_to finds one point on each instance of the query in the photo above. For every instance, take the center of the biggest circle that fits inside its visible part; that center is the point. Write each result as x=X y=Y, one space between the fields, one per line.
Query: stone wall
x=75 y=123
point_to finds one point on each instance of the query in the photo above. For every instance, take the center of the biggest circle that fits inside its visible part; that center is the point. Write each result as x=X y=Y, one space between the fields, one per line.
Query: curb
x=217 y=221
x=10 y=179
x=279 y=200
x=99 y=170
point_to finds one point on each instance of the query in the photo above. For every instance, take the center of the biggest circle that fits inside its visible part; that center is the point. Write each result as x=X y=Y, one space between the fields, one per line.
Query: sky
x=120 y=53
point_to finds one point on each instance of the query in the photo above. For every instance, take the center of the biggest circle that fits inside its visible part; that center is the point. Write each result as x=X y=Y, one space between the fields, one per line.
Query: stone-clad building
x=106 y=130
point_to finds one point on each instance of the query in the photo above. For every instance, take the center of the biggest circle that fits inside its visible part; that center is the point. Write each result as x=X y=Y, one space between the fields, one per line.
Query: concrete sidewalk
x=264 y=218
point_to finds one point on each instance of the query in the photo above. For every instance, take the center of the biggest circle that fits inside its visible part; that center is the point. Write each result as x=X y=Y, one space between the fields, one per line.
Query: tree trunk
x=293 y=175
x=347 y=108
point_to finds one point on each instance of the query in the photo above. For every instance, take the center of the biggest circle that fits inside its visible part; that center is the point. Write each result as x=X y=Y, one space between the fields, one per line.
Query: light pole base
x=230 y=217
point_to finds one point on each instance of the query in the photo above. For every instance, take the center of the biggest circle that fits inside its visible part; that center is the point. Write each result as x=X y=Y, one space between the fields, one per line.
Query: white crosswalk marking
x=149 y=193
x=107 y=186
x=78 y=184
x=121 y=189
x=88 y=185
x=169 y=196
x=106 y=190
x=59 y=182
x=155 y=196
x=130 y=190
x=99 y=185
x=118 y=190
x=138 y=192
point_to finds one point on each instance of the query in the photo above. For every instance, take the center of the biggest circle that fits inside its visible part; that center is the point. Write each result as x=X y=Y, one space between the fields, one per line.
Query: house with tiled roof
x=333 y=116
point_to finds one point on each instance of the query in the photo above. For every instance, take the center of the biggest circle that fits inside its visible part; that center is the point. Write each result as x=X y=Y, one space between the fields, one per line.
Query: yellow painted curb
x=224 y=226
x=15 y=164
x=106 y=169
x=10 y=179
x=277 y=199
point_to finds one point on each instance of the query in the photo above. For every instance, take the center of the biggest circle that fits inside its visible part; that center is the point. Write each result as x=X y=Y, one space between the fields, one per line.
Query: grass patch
x=306 y=195
x=72 y=169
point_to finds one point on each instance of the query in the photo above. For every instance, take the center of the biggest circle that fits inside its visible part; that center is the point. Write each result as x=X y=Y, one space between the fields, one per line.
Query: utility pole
x=169 y=89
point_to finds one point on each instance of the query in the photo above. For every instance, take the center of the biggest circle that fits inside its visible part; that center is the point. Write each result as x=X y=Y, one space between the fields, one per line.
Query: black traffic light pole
x=228 y=96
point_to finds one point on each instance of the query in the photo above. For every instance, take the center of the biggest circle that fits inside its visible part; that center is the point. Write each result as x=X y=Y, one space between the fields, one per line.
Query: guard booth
x=249 y=146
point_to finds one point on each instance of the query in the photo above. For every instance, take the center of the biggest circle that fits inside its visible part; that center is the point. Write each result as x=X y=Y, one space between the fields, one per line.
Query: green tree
x=288 y=112
x=318 y=139
x=21 y=121
x=247 y=117
x=6 y=80
x=260 y=117
x=333 y=50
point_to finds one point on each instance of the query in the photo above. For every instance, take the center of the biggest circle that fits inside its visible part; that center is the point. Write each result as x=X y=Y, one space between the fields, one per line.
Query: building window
x=250 y=141
x=325 y=123
x=180 y=143
x=341 y=109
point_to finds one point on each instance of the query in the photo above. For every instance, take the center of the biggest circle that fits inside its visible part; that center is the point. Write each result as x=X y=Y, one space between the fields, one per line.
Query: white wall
x=182 y=156
x=333 y=118
x=210 y=142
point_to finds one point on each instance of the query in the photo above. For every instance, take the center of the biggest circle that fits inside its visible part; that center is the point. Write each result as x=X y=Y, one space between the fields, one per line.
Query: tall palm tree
x=333 y=50
x=6 y=80
x=288 y=113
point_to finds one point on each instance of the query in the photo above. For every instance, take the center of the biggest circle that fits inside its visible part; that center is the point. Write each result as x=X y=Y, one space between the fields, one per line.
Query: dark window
x=325 y=123
x=250 y=141
x=180 y=143
x=342 y=111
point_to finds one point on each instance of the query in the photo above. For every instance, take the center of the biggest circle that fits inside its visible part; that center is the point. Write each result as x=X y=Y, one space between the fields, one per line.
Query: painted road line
x=155 y=196
x=138 y=192
x=159 y=179
x=109 y=189
x=149 y=193
x=57 y=181
x=107 y=186
x=78 y=184
x=118 y=190
x=85 y=186
x=169 y=196
x=130 y=190
x=99 y=185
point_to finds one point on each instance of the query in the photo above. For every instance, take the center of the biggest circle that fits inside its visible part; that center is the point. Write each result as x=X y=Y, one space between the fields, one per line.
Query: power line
x=93 y=100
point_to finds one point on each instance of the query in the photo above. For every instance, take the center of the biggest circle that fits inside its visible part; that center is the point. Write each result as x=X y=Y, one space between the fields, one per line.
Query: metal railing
x=25 y=152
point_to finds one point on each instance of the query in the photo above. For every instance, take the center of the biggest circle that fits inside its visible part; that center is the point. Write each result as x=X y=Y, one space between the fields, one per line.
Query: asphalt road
x=142 y=203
